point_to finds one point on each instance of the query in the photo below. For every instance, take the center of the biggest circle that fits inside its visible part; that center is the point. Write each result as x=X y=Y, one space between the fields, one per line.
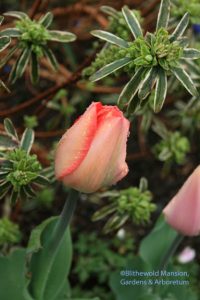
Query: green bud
x=9 y=232
x=149 y=58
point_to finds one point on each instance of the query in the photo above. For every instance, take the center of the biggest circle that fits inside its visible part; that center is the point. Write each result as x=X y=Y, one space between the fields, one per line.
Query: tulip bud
x=91 y=154
x=183 y=211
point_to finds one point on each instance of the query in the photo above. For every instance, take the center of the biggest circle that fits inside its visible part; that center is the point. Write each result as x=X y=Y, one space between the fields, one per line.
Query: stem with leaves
x=42 y=261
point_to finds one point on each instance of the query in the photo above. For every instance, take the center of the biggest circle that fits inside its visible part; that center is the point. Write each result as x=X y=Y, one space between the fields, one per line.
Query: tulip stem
x=45 y=258
x=64 y=219
x=170 y=251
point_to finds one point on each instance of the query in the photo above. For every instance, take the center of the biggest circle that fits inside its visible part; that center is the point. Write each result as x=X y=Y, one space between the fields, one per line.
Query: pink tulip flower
x=91 y=154
x=183 y=211
x=187 y=255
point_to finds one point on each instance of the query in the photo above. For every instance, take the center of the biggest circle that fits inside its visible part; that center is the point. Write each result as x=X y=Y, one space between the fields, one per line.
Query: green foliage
x=180 y=7
x=132 y=203
x=80 y=293
x=117 y=24
x=148 y=59
x=167 y=53
x=187 y=115
x=173 y=147
x=153 y=249
x=20 y=171
x=32 y=43
x=146 y=292
x=30 y=121
x=4 y=40
x=97 y=262
x=9 y=232
x=25 y=168
x=104 y=57
x=13 y=271
x=49 y=268
x=110 y=53
x=147 y=115
x=33 y=35
x=63 y=108
x=4 y=43
x=193 y=269
x=137 y=204
x=45 y=197
x=129 y=292
x=141 y=53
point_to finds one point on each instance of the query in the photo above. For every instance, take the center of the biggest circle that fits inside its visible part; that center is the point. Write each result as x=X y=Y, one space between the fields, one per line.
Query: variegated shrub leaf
x=160 y=91
x=110 y=68
x=161 y=50
x=186 y=81
x=12 y=76
x=163 y=15
x=22 y=63
x=21 y=172
x=41 y=180
x=4 y=42
x=181 y=27
x=32 y=43
x=8 y=56
x=109 y=37
x=109 y=10
x=130 y=88
x=2 y=84
x=1 y=19
x=148 y=83
x=16 y=14
x=191 y=53
x=61 y=36
x=51 y=58
x=27 y=140
x=11 y=32
x=10 y=129
x=46 y=20
x=132 y=22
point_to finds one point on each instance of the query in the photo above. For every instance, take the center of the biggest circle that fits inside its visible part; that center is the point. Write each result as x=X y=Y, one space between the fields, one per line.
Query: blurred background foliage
x=163 y=147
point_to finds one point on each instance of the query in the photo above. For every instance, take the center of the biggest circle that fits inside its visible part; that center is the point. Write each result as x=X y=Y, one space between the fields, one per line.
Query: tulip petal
x=183 y=211
x=94 y=172
x=118 y=168
x=75 y=143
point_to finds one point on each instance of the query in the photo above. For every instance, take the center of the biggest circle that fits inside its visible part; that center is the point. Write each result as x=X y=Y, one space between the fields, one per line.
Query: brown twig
x=99 y=88
x=138 y=155
x=34 y=8
x=47 y=134
x=82 y=8
x=48 y=93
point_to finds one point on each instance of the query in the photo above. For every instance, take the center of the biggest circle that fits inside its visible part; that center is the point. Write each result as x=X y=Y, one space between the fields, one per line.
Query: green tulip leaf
x=49 y=268
x=155 y=245
x=13 y=276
